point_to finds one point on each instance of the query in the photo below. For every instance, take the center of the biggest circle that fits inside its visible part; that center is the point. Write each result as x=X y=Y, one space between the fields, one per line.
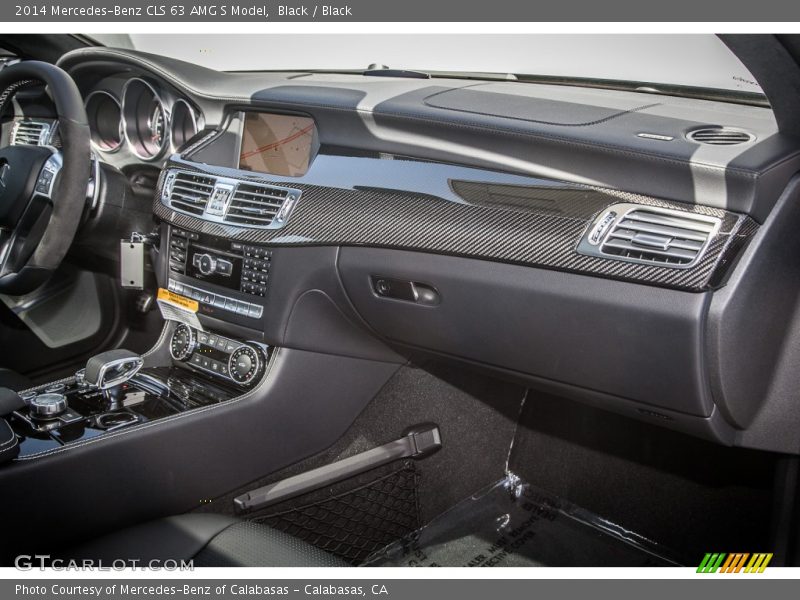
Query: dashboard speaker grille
x=720 y=136
x=30 y=133
x=649 y=235
x=189 y=192
x=254 y=204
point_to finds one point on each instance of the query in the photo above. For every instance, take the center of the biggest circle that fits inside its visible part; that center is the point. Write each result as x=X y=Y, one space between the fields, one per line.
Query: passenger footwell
x=513 y=524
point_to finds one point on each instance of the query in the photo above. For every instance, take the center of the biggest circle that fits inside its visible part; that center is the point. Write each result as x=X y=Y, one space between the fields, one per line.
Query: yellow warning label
x=181 y=301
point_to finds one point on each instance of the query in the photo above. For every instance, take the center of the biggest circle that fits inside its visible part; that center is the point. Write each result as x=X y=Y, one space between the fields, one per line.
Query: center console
x=116 y=391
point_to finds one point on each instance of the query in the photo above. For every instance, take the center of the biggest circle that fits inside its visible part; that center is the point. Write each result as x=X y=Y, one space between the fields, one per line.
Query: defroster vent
x=720 y=136
x=664 y=237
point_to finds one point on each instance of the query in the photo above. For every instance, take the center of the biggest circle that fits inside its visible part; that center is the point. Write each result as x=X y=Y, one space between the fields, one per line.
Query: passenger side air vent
x=189 y=192
x=30 y=133
x=260 y=205
x=720 y=136
x=650 y=235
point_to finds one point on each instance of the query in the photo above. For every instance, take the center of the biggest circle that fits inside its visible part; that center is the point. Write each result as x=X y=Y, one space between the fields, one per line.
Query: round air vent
x=720 y=136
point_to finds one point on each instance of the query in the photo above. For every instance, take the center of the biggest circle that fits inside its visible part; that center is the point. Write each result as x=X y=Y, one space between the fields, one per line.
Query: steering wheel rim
x=50 y=218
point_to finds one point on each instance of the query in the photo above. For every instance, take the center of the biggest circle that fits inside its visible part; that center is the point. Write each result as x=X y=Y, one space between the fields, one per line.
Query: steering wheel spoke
x=43 y=191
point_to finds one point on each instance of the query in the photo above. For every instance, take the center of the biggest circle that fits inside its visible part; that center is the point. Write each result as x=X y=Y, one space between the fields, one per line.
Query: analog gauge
x=105 y=121
x=144 y=119
x=156 y=125
x=183 y=342
x=184 y=124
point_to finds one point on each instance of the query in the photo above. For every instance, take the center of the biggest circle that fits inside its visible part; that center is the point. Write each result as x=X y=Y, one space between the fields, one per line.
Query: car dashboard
x=601 y=244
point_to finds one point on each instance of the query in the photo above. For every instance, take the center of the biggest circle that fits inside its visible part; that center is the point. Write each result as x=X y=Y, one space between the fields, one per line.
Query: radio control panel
x=241 y=267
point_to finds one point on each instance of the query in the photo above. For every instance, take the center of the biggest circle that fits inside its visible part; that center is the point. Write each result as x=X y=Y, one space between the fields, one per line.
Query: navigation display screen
x=277 y=144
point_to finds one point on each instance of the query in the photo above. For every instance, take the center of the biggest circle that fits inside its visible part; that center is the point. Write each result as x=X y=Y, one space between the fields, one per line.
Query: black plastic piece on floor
x=420 y=441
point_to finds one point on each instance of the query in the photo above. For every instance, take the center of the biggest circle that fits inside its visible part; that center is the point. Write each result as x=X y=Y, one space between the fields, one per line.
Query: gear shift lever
x=108 y=370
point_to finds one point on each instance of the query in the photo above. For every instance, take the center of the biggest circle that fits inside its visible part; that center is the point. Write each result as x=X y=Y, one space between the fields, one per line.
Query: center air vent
x=657 y=236
x=30 y=133
x=254 y=204
x=720 y=136
x=227 y=200
x=188 y=192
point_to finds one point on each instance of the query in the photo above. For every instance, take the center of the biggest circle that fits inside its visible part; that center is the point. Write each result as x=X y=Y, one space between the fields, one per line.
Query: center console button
x=55 y=388
x=27 y=397
x=244 y=363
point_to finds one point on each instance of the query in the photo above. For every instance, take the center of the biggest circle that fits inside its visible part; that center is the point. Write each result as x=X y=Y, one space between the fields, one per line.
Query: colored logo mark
x=740 y=562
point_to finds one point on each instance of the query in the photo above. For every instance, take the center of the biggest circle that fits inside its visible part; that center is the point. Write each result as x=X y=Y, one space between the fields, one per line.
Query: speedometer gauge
x=156 y=125
x=145 y=119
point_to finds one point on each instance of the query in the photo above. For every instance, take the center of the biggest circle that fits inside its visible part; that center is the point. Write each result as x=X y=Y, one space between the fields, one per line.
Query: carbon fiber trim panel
x=537 y=226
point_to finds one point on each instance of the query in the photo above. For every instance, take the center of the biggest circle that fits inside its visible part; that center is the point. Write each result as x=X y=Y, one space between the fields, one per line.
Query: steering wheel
x=42 y=188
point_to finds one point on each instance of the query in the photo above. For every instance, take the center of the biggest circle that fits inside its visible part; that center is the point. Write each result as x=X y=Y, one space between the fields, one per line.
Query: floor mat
x=512 y=524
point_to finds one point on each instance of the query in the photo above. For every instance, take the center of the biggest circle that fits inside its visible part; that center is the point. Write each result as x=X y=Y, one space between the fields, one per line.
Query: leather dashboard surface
x=587 y=136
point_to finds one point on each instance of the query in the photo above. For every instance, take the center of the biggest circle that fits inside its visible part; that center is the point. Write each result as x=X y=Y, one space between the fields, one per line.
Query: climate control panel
x=242 y=363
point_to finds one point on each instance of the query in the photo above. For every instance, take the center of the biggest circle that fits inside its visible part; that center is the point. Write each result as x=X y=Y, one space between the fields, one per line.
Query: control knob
x=206 y=264
x=183 y=342
x=245 y=364
x=47 y=406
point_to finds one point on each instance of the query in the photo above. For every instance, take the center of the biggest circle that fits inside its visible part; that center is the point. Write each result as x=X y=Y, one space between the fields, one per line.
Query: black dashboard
x=585 y=241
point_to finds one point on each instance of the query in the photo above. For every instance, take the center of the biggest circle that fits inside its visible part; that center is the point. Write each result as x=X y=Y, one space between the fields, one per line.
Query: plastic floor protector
x=513 y=524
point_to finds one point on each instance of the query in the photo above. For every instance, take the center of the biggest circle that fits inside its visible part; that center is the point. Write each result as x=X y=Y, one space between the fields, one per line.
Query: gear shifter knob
x=112 y=368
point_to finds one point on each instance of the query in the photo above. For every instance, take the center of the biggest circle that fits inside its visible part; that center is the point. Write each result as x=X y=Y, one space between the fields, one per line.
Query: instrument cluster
x=148 y=120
